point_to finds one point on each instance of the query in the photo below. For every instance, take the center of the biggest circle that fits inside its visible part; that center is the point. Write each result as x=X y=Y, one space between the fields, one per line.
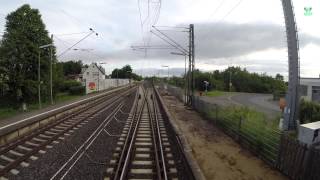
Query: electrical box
x=309 y=133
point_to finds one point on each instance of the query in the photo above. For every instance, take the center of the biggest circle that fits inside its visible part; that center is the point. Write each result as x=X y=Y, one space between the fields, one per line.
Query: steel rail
x=123 y=152
x=52 y=112
x=121 y=171
x=155 y=147
x=164 y=169
x=5 y=148
x=95 y=102
x=84 y=146
x=16 y=162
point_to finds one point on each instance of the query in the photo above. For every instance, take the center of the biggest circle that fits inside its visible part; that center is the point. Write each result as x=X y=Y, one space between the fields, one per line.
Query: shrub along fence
x=276 y=148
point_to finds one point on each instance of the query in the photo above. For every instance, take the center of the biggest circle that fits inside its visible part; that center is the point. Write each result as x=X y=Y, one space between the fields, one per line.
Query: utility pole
x=190 y=52
x=185 y=80
x=291 y=111
x=51 y=96
x=191 y=79
x=39 y=82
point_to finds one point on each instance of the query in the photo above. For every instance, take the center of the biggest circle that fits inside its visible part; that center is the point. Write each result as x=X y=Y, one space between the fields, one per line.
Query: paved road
x=260 y=102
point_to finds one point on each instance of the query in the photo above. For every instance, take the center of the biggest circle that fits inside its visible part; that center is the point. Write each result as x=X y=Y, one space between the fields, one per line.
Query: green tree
x=24 y=33
x=279 y=77
x=71 y=67
x=125 y=73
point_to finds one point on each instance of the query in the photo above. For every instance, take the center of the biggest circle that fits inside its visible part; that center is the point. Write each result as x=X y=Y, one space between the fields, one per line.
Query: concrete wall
x=103 y=84
x=309 y=82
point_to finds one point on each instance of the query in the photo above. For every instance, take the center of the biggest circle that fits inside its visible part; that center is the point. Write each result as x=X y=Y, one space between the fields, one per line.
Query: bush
x=309 y=112
x=77 y=90
x=66 y=85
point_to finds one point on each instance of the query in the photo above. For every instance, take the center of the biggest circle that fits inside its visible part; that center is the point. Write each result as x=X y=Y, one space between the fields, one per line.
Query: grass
x=6 y=112
x=217 y=93
x=251 y=126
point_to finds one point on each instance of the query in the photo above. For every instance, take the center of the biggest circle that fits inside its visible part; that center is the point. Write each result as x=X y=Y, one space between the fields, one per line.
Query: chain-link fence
x=279 y=150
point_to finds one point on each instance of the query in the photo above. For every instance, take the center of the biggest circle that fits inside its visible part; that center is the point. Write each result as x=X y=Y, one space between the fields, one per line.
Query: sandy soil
x=219 y=157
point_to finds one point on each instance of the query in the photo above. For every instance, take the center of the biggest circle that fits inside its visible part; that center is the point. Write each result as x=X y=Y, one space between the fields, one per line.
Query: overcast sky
x=245 y=33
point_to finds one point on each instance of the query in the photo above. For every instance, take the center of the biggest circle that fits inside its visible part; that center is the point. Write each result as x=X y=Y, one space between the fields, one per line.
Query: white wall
x=309 y=82
x=103 y=84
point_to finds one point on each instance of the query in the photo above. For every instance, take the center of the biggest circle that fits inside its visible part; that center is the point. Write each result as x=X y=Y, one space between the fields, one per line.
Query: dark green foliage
x=125 y=73
x=177 y=81
x=24 y=33
x=309 y=112
x=67 y=85
x=241 y=79
x=77 y=90
x=71 y=67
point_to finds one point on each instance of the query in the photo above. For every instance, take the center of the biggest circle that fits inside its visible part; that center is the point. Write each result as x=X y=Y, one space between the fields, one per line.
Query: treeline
x=20 y=50
x=125 y=73
x=24 y=33
x=235 y=79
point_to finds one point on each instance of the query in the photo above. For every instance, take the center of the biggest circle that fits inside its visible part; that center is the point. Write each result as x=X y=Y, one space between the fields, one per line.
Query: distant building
x=92 y=76
x=310 y=89
x=94 y=79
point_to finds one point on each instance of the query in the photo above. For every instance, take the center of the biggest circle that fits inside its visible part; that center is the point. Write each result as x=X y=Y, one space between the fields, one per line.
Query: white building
x=310 y=89
x=92 y=76
x=94 y=79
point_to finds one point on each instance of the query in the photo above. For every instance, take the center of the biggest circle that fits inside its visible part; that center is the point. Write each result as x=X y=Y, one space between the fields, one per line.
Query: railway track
x=143 y=151
x=20 y=151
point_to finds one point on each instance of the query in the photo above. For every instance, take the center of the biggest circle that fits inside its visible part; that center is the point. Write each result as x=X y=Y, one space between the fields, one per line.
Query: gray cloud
x=223 y=40
x=160 y=72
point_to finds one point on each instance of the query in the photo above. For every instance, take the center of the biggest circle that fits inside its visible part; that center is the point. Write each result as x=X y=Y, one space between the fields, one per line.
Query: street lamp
x=185 y=71
x=39 y=82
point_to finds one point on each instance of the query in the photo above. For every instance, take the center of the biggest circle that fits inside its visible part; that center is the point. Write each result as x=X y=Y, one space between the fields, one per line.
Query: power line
x=172 y=27
x=229 y=12
x=70 y=34
x=217 y=9
x=170 y=43
x=170 y=39
x=77 y=43
x=232 y=9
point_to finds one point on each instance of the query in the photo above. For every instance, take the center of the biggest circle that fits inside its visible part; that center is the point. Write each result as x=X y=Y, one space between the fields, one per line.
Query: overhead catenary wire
x=153 y=14
x=232 y=9
x=170 y=39
x=217 y=9
x=70 y=34
x=92 y=32
x=170 y=43
x=225 y=16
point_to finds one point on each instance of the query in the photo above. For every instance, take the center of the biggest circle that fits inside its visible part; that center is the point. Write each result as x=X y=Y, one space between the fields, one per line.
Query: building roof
x=101 y=69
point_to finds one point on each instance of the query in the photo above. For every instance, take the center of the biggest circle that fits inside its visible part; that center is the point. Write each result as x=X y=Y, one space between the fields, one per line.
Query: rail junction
x=124 y=134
